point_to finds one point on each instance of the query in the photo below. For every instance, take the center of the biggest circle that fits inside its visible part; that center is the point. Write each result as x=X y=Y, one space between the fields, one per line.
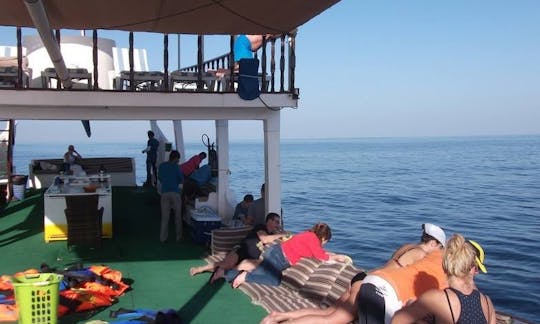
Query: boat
x=99 y=89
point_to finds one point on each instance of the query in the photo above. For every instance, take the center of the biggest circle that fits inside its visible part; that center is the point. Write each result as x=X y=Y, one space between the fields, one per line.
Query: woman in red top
x=281 y=256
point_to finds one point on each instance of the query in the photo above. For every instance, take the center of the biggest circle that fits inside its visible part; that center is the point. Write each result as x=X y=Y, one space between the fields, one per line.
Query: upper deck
x=103 y=88
x=103 y=81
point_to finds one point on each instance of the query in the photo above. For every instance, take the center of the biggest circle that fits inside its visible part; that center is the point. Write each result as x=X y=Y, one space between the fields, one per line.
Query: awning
x=171 y=16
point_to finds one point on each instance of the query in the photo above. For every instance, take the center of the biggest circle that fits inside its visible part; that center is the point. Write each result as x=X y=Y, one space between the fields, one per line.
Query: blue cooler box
x=203 y=221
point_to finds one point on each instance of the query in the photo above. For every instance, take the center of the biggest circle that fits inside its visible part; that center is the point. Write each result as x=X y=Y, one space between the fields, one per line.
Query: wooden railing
x=276 y=71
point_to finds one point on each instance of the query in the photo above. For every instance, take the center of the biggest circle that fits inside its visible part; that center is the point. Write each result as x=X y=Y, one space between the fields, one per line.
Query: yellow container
x=37 y=297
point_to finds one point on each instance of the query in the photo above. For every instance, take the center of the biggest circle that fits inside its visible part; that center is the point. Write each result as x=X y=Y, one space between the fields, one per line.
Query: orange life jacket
x=8 y=313
x=6 y=283
x=80 y=300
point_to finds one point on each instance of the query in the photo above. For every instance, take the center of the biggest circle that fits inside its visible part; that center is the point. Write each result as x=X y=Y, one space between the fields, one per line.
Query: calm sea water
x=376 y=193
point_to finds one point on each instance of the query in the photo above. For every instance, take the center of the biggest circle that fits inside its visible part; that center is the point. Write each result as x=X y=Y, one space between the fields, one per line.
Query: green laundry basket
x=37 y=297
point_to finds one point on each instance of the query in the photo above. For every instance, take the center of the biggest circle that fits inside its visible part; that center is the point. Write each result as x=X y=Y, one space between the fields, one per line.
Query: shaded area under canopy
x=171 y=16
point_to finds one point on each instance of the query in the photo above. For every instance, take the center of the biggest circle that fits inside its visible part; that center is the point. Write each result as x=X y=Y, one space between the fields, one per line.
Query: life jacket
x=111 y=278
x=26 y=272
x=80 y=300
x=104 y=289
x=107 y=273
x=8 y=313
x=6 y=283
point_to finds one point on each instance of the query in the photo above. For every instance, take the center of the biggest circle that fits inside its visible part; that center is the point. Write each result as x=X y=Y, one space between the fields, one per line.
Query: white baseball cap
x=436 y=232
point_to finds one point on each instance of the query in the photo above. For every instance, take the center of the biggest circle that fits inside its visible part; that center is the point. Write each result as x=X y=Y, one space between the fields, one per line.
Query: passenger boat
x=46 y=82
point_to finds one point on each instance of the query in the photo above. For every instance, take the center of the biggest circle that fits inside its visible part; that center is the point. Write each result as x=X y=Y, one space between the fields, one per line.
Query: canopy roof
x=171 y=16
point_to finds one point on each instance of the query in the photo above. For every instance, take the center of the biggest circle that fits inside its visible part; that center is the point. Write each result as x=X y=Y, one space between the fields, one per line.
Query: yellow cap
x=480 y=256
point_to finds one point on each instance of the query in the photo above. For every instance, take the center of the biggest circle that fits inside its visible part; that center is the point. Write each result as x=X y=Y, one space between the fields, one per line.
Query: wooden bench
x=122 y=170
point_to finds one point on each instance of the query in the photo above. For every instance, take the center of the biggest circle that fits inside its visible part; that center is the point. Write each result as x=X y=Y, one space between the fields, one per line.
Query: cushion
x=224 y=239
x=47 y=166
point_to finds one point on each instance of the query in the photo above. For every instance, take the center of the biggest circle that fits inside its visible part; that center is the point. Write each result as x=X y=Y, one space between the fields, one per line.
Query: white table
x=55 y=202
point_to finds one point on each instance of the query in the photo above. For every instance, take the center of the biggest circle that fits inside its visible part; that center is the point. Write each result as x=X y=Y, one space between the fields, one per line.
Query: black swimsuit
x=471 y=308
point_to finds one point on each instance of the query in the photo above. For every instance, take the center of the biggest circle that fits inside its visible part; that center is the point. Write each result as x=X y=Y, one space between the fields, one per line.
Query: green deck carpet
x=159 y=272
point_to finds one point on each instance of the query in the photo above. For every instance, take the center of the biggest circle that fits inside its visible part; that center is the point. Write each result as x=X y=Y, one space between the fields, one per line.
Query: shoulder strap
x=449 y=305
x=488 y=312
x=396 y=258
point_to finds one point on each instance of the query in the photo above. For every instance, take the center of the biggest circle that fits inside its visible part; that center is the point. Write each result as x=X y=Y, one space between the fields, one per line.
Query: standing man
x=170 y=178
x=151 y=158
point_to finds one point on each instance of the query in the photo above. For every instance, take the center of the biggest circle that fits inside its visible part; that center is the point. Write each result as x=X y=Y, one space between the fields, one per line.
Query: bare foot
x=218 y=274
x=240 y=279
x=195 y=270
x=270 y=318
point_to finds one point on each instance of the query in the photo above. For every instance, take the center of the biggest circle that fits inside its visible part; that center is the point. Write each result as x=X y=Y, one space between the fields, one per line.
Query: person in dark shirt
x=249 y=248
x=151 y=158
x=241 y=210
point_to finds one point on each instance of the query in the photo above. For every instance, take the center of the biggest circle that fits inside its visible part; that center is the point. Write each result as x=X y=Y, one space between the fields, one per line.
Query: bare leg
x=218 y=274
x=249 y=264
x=196 y=270
x=344 y=311
x=229 y=262
x=277 y=317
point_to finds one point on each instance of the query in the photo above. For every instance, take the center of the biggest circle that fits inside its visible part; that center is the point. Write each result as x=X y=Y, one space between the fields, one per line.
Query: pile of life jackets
x=82 y=289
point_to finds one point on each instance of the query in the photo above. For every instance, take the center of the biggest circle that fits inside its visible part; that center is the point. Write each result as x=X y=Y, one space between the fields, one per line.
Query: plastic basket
x=37 y=297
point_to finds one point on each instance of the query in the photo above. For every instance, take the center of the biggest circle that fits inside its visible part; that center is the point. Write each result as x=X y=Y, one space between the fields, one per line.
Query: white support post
x=222 y=142
x=179 y=139
x=272 y=162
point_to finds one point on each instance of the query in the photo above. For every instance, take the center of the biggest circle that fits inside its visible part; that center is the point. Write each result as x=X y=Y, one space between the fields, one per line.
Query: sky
x=378 y=68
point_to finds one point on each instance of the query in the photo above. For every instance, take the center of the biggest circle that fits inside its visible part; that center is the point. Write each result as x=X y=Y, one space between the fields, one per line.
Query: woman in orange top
x=345 y=310
x=385 y=291
x=461 y=302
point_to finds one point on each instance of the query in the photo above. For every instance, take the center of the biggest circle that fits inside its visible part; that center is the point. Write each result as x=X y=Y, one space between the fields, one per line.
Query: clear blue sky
x=386 y=68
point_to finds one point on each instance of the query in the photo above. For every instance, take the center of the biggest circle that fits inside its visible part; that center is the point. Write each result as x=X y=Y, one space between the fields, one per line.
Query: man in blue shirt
x=151 y=158
x=170 y=178
x=246 y=45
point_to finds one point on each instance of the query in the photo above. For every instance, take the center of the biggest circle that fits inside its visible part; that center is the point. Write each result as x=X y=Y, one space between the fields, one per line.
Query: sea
x=375 y=193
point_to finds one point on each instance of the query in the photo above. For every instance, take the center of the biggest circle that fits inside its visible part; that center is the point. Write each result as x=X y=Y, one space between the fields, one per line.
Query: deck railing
x=276 y=70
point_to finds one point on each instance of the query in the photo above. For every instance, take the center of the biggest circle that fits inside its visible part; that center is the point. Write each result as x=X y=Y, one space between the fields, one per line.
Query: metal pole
x=178 y=67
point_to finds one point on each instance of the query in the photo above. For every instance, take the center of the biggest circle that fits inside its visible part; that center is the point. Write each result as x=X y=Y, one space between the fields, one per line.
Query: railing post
x=200 y=60
x=57 y=34
x=131 y=71
x=95 y=58
x=165 y=62
x=263 y=66
x=273 y=64
x=282 y=65
x=292 y=60
x=231 y=64
x=19 y=84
